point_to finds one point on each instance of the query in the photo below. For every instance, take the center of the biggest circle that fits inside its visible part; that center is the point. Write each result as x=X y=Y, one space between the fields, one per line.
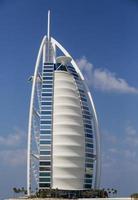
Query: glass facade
x=87 y=121
x=46 y=116
x=46 y=125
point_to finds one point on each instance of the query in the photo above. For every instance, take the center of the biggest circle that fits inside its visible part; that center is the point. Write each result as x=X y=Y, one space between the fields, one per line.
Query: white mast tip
x=48 y=25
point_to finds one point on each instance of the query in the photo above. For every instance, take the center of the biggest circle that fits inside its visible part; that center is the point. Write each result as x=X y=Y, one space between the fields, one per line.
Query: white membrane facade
x=63 y=135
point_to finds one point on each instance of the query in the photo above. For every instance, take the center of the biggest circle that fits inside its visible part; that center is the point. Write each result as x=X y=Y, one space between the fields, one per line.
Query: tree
x=15 y=190
x=135 y=195
x=115 y=192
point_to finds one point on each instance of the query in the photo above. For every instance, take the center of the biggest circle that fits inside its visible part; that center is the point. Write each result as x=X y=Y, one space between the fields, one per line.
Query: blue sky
x=102 y=36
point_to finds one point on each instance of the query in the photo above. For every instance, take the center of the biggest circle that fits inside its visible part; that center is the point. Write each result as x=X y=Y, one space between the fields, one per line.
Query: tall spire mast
x=48 y=26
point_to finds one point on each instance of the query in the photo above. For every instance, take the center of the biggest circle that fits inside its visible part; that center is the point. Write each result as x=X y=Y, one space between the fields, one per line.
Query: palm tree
x=15 y=190
x=56 y=192
x=19 y=190
x=115 y=192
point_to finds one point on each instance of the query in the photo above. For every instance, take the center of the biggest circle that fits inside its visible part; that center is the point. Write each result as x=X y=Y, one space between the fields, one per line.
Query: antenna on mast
x=48 y=26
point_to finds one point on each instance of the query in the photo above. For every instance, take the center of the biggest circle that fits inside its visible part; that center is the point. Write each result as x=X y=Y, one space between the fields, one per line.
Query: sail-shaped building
x=63 y=135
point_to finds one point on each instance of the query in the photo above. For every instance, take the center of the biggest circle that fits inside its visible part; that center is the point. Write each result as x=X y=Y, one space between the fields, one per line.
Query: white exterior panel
x=68 y=135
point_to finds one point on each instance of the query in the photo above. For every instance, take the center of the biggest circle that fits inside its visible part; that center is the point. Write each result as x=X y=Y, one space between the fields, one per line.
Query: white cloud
x=130 y=154
x=130 y=130
x=13 y=148
x=12 y=139
x=103 y=79
x=83 y=63
x=131 y=137
x=123 y=145
x=107 y=81
x=113 y=150
x=120 y=160
x=13 y=157
x=110 y=138
x=86 y=68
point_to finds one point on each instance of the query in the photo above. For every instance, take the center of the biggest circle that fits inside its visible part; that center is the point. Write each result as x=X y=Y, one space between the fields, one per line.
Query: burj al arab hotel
x=63 y=135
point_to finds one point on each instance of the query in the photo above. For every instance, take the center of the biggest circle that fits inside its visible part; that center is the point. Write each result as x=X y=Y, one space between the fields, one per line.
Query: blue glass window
x=89 y=155
x=88 y=126
x=46 y=108
x=47 y=67
x=89 y=140
x=42 y=157
x=46 y=103
x=89 y=135
x=45 y=132
x=46 y=94
x=46 y=117
x=46 y=112
x=45 y=122
x=44 y=169
x=89 y=145
x=45 y=127
x=44 y=179
x=45 y=137
x=47 y=86
x=87 y=121
x=79 y=83
x=47 y=78
x=75 y=74
x=83 y=95
x=44 y=174
x=88 y=181
x=47 y=82
x=49 y=64
x=76 y=78
x=45 y=163
x=88 y=175
x=89 y=150
x=88 y=130
x=85 y=108
x=62 y=68
x=83 y=99
x=87 y=117
x=47 y=90
x=45 y=142
x=89 y=165
x=82 y=91
x=87 y=186
x=84 y=103
x=89 y=160
x=71 y=70
x=46 y=99
x=47 y=70
x=45 y=148
x=86 y=112
x=45 y=153
x=47 y=74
